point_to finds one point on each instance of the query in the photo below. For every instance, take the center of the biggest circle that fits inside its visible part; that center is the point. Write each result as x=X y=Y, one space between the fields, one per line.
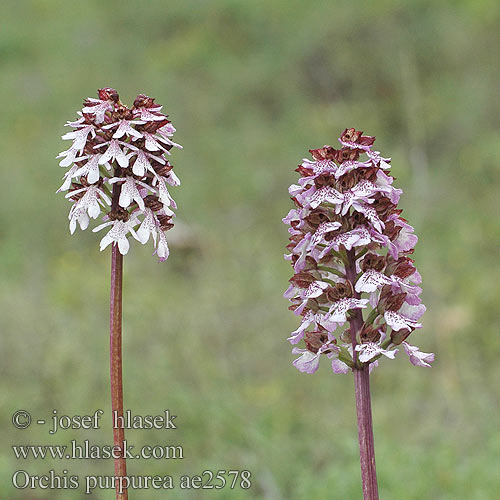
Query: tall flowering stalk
x=354 y=285
x=118 y=169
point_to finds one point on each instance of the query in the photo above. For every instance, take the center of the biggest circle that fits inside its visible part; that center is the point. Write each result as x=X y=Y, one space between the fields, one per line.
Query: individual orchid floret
x=369 y=350
x=418 y=358
x=162 y=250
x=130 y=191
x=118 y=233
x=118 y=169
x=350 y=252
x=318 y=342
x=90 y=170
x=338 y=310
x=88 y=202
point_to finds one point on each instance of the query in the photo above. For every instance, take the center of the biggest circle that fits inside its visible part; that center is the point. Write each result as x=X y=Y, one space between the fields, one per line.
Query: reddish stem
x=365 y=433
x=115 y=328
x=363 y=400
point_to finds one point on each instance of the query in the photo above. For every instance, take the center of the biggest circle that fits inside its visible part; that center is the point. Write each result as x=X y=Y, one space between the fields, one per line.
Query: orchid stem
x=115 y=326
x=363 y=399
x=365 y=432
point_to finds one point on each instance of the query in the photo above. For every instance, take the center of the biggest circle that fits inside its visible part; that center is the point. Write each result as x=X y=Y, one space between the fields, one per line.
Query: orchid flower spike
x=350 y=250
x=121 y=154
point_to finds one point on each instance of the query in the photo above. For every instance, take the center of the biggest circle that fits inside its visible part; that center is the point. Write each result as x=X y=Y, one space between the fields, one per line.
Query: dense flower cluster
x=349 y=248
x=118 y=166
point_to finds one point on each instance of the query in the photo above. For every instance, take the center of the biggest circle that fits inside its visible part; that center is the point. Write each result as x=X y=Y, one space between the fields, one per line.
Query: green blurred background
x=251 y=86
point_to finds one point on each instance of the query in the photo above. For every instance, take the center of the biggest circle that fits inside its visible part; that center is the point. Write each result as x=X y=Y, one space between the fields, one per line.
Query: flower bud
x=399 y=336
x=373 y=261
x=108 y=94
x=314 y=340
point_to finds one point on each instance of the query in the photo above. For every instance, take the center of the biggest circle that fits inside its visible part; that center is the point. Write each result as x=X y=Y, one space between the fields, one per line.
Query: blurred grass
x=250 y=87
